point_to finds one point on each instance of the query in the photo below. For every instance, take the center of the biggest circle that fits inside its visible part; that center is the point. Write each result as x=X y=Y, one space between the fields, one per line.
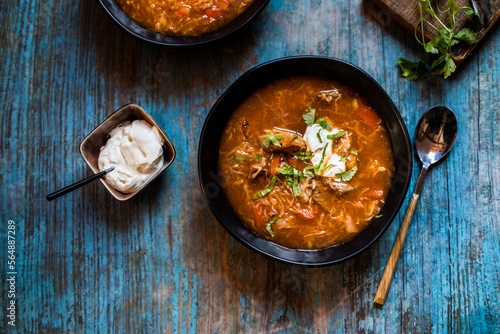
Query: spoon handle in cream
x=390 y=267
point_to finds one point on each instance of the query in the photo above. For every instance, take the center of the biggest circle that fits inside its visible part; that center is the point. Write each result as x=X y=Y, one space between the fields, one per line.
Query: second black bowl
x=129 y=25
x=328 y=68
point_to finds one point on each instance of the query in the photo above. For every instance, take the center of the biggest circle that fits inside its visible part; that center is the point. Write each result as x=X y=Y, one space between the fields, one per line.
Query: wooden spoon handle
x=390 y=267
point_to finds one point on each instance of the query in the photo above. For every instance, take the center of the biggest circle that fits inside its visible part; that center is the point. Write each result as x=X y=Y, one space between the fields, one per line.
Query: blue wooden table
x=160 y=263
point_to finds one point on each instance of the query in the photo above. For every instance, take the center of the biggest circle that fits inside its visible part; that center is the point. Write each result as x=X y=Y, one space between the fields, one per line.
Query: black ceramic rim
x=285 y=67
x=114 y=11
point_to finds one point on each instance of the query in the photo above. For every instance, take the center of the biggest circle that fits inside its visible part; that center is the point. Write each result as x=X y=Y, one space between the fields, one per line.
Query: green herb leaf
x=471 y=11
x=303 y=155
x=319 y=137
x=238 y=159
x=295 y=137
x=307 y=173
x=268 y=225
x=347 y=175
x=379 y=216
x=322 y=122
x=413 y=70
x=466 y=35
x=272 y=138
x=434 y=45
x=295 y=185
x=336 y=135
x=267 y=190
x=309 y=116
x=453 y=11
x=443 y=65
x=318 y=166
x=258 y=158
x=441 y=44
x=381 y=169
x=343 y=159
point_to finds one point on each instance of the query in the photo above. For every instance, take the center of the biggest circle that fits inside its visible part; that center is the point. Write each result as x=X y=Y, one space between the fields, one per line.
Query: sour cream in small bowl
x=132 y=142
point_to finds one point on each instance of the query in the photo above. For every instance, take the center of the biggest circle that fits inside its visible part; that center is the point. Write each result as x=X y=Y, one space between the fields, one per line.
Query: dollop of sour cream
x=135 y=151
x=312 y=138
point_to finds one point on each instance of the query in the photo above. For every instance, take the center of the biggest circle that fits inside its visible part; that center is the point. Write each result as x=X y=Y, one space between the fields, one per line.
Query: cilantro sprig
x=441 y=44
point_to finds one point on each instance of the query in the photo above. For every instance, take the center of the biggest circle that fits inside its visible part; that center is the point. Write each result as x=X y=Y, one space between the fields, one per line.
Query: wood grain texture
x=407 y=14
x=160 y=263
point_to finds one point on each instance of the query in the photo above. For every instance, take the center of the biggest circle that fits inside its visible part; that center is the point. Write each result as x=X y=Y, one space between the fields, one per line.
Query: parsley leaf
x=272 y=138
x=322 y=122
x=413 y=70
x=317 y=168
x=336 y=135
x=267 y=190
x=343 y=159
x=347 y=175
x=268 y=225
x=292 y=176
x=379 y=216
x=466 y=35
x=319 y=137
x=238 y=159
x=303 y=155
x=309 y=116
x=258 y=158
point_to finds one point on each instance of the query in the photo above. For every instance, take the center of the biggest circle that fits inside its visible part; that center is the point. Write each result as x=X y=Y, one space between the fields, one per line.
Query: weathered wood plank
x=160 y=262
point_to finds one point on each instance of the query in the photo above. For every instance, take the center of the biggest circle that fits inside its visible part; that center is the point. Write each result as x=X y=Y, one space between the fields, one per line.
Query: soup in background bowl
x=267 y=113
x=140 y=31
x=183 y=17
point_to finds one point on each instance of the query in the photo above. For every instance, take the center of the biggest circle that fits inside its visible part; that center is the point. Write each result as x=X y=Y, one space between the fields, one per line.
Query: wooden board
x=407 y=14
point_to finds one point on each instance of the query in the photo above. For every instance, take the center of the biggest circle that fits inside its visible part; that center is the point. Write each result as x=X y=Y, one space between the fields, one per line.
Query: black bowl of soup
x=305 y=160
x=181 y=23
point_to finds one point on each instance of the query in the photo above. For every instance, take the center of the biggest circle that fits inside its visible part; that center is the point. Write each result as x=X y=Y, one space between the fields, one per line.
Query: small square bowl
x=90 y=147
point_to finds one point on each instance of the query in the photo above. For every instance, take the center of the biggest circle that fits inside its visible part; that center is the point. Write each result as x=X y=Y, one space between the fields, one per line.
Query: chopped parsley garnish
x=302 y=155
x=267 y=190
x=379 y=216
x=292 y=176
x=268 y=225
x=272 y=138
x=336 y=135
x=318 y=166
x=309 y=116
x=323 y=123
x=347 y=175
x=258 y=158
x=381 y=169
x=295 y=137
x=319 y=137
x=272 y=156
x=343 y=159
x=238 y=159
x=307 y=173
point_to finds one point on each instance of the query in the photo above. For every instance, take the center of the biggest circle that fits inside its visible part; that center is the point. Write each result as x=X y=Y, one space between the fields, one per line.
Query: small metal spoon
x=434 y=137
